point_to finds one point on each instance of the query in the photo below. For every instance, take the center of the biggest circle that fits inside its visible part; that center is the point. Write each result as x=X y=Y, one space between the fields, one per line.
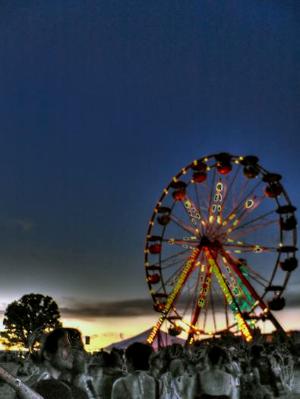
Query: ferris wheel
x=220 y=248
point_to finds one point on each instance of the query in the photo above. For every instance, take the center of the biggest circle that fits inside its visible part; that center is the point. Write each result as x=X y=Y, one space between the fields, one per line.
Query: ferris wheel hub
x=206 y=242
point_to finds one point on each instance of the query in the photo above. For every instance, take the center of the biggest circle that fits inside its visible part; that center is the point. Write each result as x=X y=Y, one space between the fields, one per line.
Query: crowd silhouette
x=211 y=369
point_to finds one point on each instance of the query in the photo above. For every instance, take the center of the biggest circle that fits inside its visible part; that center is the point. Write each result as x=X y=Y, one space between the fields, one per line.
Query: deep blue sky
x=102 y=102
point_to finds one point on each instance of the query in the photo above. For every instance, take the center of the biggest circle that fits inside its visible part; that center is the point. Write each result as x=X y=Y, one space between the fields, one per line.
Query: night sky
x=101 y=104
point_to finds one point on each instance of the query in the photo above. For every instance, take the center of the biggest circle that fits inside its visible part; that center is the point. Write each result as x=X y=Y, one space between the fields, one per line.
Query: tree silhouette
x=29 y=314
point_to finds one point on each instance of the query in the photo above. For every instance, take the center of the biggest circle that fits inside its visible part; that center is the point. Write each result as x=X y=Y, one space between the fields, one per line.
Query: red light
x=155 y=249
x=179 y=195
x=224 y=168
x=199 y=177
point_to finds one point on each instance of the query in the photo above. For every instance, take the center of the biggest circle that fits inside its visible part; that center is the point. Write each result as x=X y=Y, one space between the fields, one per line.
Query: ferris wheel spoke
x=250 y=206
x=252 y=228
x=211 y=193
x=250 y=222
x=184 y=275
x=254 y=278
x=199 y=206
x=193 y=212
x=232 y=215
x=230 y=187
x=212 y=302
x=253 y=272
x=244 y=247
x=243 y=326
x=183 y=225
x=174 y=257
x=203 y=289
x=188 y=242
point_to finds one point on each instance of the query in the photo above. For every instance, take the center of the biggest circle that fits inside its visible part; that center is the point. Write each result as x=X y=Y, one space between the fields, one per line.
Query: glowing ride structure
x=220 y=248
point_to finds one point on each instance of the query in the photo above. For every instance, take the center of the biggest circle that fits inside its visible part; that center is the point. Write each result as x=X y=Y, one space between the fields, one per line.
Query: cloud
x=126 y=308
x=144 y=306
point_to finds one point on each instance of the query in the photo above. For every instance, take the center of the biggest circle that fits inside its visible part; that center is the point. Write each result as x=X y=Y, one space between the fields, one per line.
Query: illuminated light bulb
x=203 y=222
x=229 y=230
x=175 y=179
x=230 y=240
x=281 y=245
x=146 y=251
x=211 y=219
x=241 y=158
x=219 y=186
x=147 y=264
x=249 y=203
x=151 y=223
x=238 y=251
x=208 y=168
x=232 y=216
x=219 y=220
x=183 y=171
x=198 y=263
x=205 y=159
x=155 y=210
x=166 y=191
x=202 y=268
x=225 y=222
x=236 y=222
x=240 y=242
x=237 y=161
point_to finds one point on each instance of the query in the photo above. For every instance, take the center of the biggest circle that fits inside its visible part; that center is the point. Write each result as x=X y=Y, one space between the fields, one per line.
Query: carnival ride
x=220 y=248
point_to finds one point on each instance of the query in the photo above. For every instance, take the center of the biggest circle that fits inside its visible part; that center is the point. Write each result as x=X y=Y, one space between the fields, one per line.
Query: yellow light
x=225 y=222
x=249 y=203
x=219 y=220
x=175 y=179
x=235 y=222
x=232 y=216
x=208 y=168
x=166 y=191
x=146 y=251
x=241 y=158
x=211 y=219
x=205 y=159
x=183 y=170
x=219 y=186
x=151 y=223
x=238 y=251
x=237 y=161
